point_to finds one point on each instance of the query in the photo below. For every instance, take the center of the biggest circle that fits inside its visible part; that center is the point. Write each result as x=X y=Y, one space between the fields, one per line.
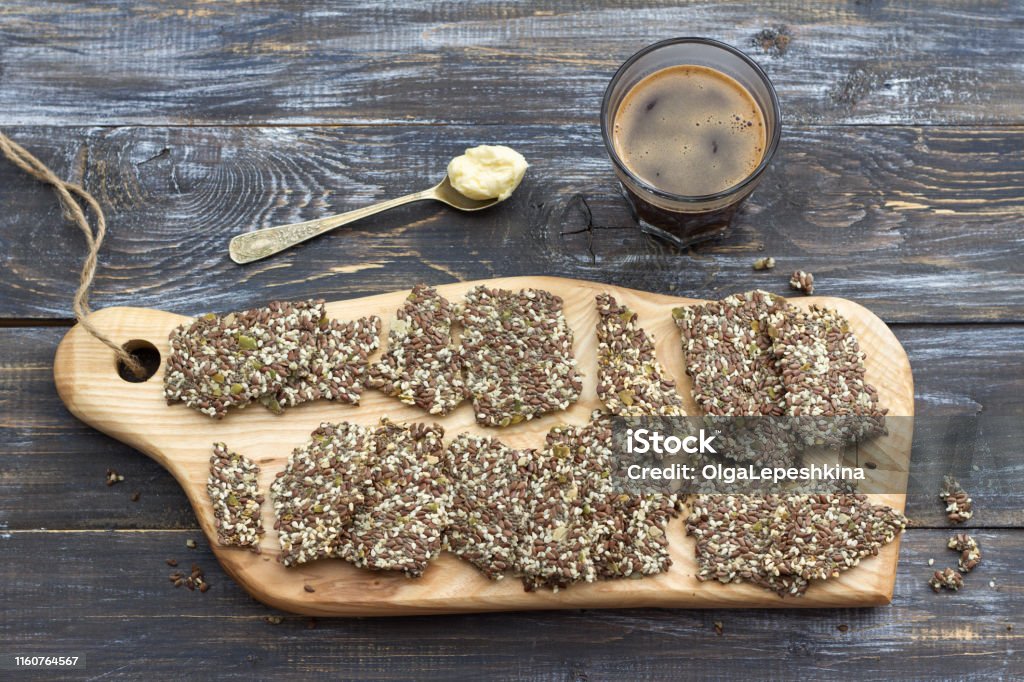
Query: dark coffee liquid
x=690 y=130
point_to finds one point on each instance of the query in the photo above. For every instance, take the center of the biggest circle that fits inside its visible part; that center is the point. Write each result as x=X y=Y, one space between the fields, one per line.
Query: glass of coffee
x=691 y=125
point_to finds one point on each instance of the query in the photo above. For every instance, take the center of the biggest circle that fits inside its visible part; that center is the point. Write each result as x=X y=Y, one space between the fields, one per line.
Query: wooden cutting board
x=180 y=439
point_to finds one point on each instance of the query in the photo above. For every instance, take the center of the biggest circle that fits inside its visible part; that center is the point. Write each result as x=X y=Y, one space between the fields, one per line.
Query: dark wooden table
x=899 y=183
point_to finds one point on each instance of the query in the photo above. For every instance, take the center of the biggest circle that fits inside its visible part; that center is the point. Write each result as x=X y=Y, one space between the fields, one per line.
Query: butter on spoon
x=480 y=178
x=487 y=172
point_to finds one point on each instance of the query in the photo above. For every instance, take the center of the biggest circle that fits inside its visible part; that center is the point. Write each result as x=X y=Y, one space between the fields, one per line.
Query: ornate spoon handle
x=252 y=246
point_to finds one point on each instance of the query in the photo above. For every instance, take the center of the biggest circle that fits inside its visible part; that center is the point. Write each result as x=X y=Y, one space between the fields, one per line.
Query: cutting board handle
x=86 y=374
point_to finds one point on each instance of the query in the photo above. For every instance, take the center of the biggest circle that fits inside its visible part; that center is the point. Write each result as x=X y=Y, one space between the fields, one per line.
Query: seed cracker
x=400 y=523
x=634 y=540
x=317 y=494
x=579 y=528
x=517 y=355
x=568 y=478
x=337 y=367
x=551 y=516
x=421 y=366
x=630 y=380
x=782 y=542
x=822 y=369
x=217 y=362
x=833 y=533
x=733 y=533
x=729 y=355
x=279 y=355
x=490 y=499
x=233 y=487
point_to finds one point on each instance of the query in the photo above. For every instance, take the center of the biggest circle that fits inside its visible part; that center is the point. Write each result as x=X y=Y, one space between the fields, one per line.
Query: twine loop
x=72 y=210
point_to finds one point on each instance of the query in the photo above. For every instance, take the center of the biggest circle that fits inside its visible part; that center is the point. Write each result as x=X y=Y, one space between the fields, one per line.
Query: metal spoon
x=252 y=246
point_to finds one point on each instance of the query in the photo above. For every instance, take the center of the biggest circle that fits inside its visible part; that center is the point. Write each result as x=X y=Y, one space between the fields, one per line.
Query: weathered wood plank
x=109 y=598
x=52 y=467
x=288 y=61
x=919 y=224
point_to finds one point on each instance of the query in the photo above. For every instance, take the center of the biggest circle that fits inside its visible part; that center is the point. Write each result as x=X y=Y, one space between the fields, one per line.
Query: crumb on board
x=194 y=580
x=948 y=579
x=959 y=506
x=803 y=281
x=772 y=41
x=970 y=552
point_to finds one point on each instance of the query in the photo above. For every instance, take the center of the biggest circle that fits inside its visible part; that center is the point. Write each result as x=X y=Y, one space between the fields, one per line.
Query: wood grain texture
x=940 y=208
x=188 y=62
x=895 y=218
x=180 y=440
x=117 y=608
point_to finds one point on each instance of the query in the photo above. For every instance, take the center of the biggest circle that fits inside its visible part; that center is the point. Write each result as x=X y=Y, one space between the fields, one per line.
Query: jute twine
x=66 y=193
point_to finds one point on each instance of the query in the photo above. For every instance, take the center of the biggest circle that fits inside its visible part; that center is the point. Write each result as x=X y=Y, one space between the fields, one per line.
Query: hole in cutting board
x=147 y=355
